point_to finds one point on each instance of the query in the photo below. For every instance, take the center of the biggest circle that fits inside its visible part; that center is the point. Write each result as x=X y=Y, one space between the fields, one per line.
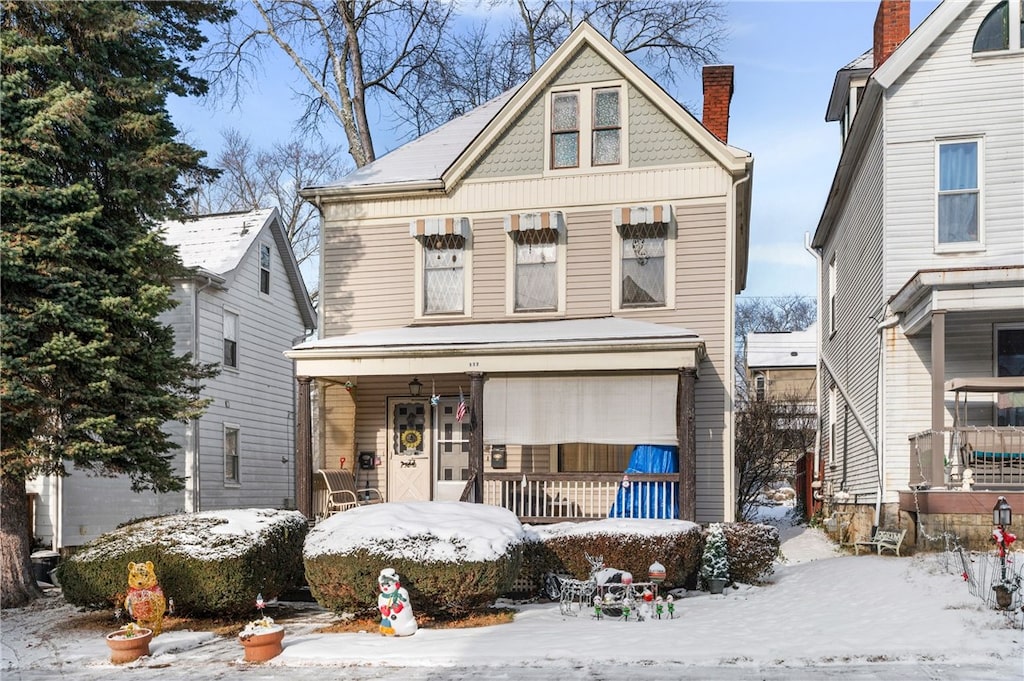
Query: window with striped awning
x=535 y=238
x=644 y=232
x=444 y=253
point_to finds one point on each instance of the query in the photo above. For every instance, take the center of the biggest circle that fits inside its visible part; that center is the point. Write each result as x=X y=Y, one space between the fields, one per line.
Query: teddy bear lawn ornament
x=396 y=618
x=145 y=600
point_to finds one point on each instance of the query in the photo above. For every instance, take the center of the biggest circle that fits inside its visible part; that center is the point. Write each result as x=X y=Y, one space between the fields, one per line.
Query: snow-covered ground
x=823 y=614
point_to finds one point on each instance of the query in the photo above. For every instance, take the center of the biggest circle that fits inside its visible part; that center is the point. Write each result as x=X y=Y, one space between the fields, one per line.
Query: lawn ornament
x=145 y=600
x=396 y=617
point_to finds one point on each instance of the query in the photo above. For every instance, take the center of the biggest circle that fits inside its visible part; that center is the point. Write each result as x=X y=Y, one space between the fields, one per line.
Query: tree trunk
x=17 y=584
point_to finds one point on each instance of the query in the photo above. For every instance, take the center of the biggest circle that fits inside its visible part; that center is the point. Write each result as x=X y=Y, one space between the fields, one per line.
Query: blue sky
x=786 y=55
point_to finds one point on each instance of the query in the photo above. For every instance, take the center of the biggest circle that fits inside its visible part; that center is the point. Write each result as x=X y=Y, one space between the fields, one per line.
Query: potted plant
x=261 y=638
x=129 y=643
x=714 y=563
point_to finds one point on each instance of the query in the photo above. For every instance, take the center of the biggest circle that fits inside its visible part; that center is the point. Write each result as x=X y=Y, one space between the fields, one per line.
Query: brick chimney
x=717 y=96
x=892 y=26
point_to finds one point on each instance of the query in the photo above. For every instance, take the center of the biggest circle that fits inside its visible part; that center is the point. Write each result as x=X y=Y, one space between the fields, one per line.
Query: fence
x=983 y=572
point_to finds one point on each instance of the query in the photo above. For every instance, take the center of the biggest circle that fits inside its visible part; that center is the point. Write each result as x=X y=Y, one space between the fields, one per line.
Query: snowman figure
x=646 y=610
x=396 y=618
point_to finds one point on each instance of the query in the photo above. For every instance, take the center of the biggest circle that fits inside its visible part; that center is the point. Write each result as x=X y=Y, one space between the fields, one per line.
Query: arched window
x=994 y=32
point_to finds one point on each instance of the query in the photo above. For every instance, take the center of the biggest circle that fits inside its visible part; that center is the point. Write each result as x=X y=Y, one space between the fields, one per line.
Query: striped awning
x=651 y=214
x=458 y=226
x=550 y=219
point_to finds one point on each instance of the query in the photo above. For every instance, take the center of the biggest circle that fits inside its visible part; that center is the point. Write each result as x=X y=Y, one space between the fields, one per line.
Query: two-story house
x=517 y=301
x=243 y=306
x=921 y=246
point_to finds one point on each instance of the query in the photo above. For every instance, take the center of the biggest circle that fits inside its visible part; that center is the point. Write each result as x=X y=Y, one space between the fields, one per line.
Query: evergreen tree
x=714 y=562
x=90 y=166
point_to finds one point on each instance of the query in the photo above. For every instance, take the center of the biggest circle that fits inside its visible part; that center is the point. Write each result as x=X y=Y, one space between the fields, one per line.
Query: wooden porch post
x=476 y=434
x=304 y=450
x=938 y=370
x=686 y=433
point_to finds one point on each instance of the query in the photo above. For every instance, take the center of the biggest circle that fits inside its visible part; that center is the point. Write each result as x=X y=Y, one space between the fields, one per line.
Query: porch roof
x=607 y=343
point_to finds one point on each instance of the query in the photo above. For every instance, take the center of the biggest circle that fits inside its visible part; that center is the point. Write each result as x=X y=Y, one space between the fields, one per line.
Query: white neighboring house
x=921 y=246
x=245 y=305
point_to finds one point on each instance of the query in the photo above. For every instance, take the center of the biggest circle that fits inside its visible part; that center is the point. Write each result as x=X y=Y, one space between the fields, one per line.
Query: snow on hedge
x=627 y=526
x=207 y=536
x=429 y=531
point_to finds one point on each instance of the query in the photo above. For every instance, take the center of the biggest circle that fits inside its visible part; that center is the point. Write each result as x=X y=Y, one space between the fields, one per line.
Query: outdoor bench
x=883 y=539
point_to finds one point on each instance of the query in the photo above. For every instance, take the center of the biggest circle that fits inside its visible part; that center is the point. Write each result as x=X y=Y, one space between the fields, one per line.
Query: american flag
x=460 y=411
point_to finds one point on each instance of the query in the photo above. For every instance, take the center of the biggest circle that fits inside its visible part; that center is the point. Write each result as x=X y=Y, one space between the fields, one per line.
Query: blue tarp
x=649 y=499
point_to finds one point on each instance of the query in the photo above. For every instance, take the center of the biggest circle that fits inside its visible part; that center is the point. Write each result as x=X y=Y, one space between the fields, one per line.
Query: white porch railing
x=556 y=497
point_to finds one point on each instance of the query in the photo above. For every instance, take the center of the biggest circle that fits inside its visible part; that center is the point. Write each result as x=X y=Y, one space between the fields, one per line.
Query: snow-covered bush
x=714 y=562
x=210 y=563
x=627 y=544
x=453 y=557
x=752 y=550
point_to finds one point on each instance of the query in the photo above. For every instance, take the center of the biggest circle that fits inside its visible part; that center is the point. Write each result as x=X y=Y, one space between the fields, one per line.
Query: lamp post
x=1002 y=515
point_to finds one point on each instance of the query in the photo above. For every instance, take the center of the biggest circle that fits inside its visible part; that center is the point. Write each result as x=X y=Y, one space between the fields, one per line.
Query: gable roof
x=214 y=246
x=791 y=349
x=439 y=159
x=882 y=78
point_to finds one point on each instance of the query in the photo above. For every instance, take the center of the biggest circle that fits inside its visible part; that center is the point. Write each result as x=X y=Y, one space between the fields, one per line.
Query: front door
x=451 y=452
x=409 y=450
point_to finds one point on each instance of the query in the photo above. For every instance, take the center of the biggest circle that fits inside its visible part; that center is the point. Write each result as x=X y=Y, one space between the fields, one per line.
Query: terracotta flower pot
x=262 y=647
x=128 y=649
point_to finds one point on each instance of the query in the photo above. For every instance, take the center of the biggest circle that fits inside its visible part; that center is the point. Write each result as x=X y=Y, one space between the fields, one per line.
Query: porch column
x=476 y=434
x=938 y=370
x=686 y=433
x=304 y=450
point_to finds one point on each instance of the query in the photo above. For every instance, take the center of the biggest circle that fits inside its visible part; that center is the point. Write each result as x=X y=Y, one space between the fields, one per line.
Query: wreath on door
x=411 y=438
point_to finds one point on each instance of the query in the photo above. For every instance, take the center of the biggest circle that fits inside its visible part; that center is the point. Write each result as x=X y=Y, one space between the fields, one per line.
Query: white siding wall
x=852 y=351
x=258 y=396
x=949 y=93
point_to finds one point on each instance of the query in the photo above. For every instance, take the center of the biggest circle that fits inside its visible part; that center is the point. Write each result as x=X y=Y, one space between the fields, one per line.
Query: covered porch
x=543 y=418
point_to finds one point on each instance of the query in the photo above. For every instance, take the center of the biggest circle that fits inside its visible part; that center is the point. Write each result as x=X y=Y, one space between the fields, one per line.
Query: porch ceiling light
x=415 y=387
x=1002 y=514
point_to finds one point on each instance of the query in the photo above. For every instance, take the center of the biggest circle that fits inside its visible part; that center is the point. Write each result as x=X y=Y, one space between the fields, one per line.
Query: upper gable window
x=606 y=148
x=994 y=34
x=264 y=268
x=959 y=193
x=565 y=130
x=586 y=127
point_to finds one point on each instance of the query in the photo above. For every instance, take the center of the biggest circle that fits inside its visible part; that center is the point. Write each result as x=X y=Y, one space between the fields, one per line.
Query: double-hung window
x=536 y=266
x=443 y=273
x=605 y=147
x=264 y=268
x=230 y=339
x=231 y=454
x=443 y=265
x=644 y=266
x=959 y=193
x=565 y=130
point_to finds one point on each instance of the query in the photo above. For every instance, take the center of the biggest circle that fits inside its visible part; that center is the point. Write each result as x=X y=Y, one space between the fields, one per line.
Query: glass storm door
x=451 y=453
x=409 y=450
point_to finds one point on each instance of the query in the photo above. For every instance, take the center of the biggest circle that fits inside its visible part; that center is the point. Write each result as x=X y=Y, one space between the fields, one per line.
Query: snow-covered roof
x=427 y=157
x=216 y=243
x=783 y=349
x=564 y=332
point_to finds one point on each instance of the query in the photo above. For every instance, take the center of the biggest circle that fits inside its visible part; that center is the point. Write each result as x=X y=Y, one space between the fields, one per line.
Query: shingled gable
x=443 y=157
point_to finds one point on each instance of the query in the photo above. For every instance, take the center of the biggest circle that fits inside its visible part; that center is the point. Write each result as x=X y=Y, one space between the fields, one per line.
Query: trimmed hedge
x=452 y=557
x=752 y=550
x=210 y=563
x=631 y=545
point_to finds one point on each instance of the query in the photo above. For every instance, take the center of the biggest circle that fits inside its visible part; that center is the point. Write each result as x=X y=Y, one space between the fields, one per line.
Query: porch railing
x=995 y=456
x=556 y=497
